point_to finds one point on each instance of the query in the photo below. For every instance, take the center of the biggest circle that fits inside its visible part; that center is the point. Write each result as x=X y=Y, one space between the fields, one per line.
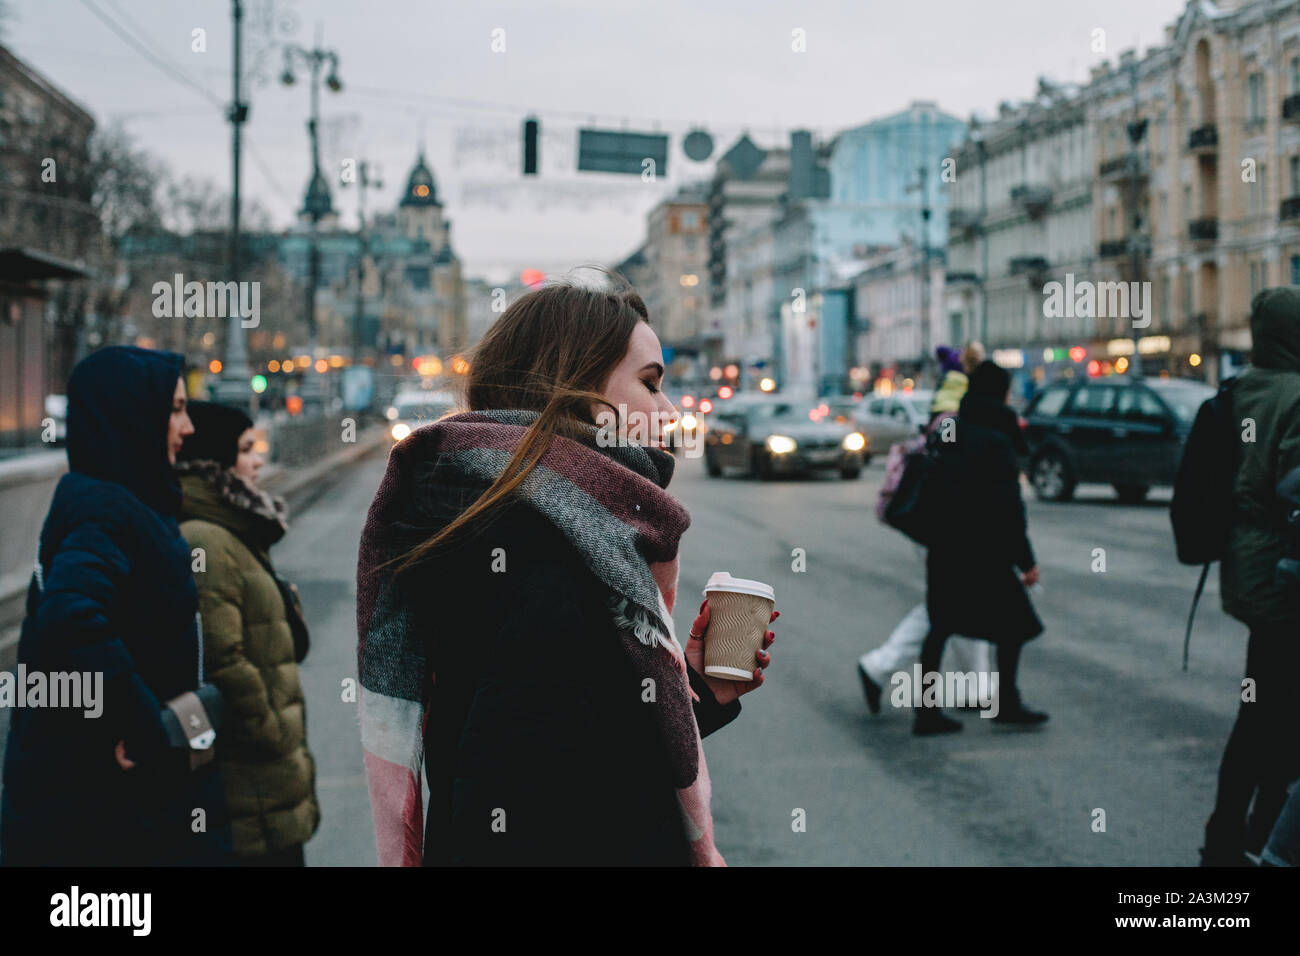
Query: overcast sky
x=425 y=72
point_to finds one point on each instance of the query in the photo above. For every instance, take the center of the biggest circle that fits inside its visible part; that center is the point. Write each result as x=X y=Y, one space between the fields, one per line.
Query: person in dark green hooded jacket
x=1261 y=757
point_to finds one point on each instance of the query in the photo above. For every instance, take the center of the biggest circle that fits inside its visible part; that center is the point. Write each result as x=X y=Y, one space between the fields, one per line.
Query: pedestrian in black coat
x=118 y=600
x=972 y=584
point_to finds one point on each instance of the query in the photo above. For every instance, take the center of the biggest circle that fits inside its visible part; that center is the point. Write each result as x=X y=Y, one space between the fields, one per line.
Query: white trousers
x=903 y=649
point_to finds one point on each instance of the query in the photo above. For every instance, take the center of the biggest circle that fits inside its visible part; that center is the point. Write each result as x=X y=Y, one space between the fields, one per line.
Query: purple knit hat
x=949 y=359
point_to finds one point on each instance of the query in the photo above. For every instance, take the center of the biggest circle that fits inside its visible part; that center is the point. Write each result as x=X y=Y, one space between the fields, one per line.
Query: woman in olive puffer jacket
x=270 y=776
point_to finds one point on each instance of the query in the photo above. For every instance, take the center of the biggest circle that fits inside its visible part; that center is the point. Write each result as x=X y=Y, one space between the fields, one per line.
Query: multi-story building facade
x=875 y=185
x=48 y=230
x=46 y=176
x=889 y=170
x=744 y=196
x=674 y=283
x=889 y=294
x=1170 y=183
x=1212 y=201
x=1020 y=217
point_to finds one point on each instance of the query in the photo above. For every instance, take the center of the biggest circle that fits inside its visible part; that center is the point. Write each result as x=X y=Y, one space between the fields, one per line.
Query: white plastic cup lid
x=723 y=581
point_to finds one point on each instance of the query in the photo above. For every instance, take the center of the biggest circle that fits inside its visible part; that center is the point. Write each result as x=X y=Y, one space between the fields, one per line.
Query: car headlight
x=854 y=441
x=391 y=414
x=689 y=421
x=780 y=444
x=400 y=431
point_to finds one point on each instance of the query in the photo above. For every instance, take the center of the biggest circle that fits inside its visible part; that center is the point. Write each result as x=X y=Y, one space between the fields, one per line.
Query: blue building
x=874 y=170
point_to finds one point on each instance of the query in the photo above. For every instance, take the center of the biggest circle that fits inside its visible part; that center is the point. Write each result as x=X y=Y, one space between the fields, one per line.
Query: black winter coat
x=119 y=600
x=537 y=709
x=972 y=587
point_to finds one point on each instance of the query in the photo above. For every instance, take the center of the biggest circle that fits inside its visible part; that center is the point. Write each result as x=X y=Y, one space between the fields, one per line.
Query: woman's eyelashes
x=654 y=389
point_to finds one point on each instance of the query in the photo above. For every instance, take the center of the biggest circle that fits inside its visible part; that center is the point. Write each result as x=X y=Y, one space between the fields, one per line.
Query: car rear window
x=1051 y=401
x=1140 y=405
x=1184 y=398
x=1093 y=401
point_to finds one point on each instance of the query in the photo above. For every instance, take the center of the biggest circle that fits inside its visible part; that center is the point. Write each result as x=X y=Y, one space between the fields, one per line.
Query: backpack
x=1201 y=512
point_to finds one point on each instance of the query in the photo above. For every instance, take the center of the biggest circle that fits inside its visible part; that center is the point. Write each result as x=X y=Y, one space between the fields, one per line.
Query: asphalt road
x=1130 y=733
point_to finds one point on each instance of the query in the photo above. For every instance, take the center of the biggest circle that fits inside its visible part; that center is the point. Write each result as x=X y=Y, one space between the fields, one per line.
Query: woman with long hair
x=515 y=586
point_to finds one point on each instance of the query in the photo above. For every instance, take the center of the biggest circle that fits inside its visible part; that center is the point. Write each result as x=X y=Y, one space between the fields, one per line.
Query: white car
x=887 y=419
x=413 y=408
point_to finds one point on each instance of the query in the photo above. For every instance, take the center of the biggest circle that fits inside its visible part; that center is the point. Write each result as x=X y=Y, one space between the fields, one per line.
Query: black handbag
x=190 y=720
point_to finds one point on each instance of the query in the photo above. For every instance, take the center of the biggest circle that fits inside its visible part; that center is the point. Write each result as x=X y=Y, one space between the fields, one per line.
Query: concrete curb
x=300 y=488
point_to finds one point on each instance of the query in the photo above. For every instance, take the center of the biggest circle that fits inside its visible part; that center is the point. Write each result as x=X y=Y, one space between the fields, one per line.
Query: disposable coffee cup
x=739 y=612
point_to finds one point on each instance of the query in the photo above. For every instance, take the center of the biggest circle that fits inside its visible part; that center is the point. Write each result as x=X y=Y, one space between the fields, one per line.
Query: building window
x=1255 y=91
x=689 y=220
x=1295 y=270
x=1165 y=293
x=1295 y=74
x=1295 y=175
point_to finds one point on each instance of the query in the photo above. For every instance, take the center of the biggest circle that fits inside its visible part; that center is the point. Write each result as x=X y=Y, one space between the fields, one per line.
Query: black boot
x=931 y=720
x=1020 y=715
x=870 y=689
x=1223 y=844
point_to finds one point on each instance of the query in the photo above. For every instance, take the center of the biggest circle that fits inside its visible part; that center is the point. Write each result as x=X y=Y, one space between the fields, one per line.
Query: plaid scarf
x=610 y=503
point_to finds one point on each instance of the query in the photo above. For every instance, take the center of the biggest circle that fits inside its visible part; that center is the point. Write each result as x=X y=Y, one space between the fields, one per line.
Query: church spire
x=421 y=190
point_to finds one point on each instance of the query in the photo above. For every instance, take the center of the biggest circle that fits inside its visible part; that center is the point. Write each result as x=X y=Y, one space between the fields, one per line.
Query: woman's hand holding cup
x=725 y=690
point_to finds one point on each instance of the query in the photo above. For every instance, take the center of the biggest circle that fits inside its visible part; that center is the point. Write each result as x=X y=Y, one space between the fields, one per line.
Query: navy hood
x=119 y=405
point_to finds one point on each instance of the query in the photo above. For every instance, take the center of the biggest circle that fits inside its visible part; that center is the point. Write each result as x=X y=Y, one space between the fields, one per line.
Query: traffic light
x=530 y=147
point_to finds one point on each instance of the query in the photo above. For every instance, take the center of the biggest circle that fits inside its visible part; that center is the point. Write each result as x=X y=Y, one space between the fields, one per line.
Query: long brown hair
x=550 y=352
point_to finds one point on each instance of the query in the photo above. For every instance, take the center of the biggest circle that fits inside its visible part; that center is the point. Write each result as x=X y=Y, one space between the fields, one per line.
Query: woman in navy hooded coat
x=119 y=600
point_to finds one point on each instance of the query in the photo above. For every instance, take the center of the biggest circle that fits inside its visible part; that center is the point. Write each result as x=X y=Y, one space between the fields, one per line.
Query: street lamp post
x=364 y=182
x=317 y=203
x=234 y=386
